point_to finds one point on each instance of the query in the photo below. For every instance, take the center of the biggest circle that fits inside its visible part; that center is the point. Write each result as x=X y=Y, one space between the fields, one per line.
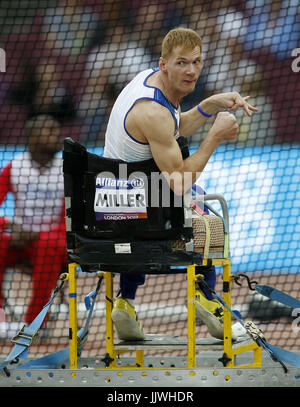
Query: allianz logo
x=119 y=183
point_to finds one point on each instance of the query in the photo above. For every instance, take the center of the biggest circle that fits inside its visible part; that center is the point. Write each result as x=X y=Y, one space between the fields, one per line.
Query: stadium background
x=72 y=58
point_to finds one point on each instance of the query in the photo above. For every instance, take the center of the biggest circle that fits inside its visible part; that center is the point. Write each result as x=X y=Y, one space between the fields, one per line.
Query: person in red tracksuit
x=37 y=231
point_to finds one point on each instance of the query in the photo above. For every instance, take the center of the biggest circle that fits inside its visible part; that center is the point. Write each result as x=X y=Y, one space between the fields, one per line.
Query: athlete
x=36 y=233
x=145 y=122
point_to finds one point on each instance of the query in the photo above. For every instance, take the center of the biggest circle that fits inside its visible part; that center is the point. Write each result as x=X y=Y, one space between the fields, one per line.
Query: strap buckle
x=24 y=337
x=254 y=332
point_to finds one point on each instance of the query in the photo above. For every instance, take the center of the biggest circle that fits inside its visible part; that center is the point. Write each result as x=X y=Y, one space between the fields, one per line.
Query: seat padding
x=216 y=227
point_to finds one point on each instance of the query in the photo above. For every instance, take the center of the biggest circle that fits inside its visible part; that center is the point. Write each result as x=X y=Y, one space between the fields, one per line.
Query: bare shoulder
x=150 y=110
x=149 y=119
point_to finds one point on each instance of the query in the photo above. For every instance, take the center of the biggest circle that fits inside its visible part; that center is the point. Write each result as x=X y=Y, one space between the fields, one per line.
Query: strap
x=207 y=238
x=199 y=191
x=57 y=358
x=52 y=360
x=277 y=295
x=284 y=355
x=28 y=334
x=277 y=354
x=202 y=214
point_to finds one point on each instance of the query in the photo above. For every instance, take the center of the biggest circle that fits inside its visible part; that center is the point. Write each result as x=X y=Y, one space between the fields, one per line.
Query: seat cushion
x=216 y=227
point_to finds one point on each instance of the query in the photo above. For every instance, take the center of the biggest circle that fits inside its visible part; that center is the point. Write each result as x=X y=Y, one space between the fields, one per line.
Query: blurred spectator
x=150 y=23
x=230 y=70
x=262 y=129
x=12 y=114
x=70 y=59
x=108 y=69
x=274 y=31
x=51 y=95
x=69 y=27
x=36 y=234
x=44 y=67
x=273 y=24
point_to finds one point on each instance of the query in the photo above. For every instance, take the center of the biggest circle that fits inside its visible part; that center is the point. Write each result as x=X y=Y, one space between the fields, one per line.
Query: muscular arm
x=150 y=122
x=192 y=120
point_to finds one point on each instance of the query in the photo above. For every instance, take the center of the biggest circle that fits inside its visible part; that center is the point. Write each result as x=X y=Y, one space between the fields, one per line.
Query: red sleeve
x=62 y=226
x=5 y=184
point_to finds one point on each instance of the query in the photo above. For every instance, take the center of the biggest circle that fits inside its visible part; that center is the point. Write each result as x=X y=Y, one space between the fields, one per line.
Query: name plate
x=120 y=199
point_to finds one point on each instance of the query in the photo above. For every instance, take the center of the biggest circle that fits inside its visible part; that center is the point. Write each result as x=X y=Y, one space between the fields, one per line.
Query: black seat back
x=90 y=206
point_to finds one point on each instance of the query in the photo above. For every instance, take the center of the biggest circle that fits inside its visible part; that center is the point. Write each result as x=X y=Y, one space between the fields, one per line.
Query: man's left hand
x=233 y=101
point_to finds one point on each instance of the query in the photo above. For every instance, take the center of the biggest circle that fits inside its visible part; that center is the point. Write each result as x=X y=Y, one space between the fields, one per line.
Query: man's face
x=183 y=68
x=46 y=137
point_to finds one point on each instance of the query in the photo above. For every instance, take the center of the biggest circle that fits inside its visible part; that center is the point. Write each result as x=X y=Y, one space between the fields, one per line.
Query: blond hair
x=180 y=37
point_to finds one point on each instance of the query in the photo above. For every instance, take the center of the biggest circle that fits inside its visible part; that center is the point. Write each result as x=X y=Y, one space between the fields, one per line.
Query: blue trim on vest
x=128 y=134
x=159 y=97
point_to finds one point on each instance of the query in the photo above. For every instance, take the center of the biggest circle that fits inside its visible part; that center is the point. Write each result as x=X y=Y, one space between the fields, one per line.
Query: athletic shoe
x=126 y=321
x=210 y=312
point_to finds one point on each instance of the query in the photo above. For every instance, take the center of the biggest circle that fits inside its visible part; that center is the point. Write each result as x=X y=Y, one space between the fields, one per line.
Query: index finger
x=247 y=107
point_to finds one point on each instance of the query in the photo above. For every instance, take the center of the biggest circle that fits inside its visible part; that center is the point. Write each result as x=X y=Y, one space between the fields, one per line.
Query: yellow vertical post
x=72 y=316
x=257 y=356
x=227 y=314
x=191 y=316
x=109 y=324
x=139 y=359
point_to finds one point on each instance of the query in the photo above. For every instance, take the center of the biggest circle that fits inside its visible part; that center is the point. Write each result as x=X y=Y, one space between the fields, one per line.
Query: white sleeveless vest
x=119 y=144
x=39 y=196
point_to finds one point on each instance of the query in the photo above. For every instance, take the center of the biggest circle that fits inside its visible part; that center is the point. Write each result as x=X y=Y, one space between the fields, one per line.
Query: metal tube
x=73 y=315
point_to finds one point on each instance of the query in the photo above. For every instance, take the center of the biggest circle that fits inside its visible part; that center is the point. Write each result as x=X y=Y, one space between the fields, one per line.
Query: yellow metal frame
x=109 y=323
x=191 y=278
x=112 y=353
x=72 y=315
